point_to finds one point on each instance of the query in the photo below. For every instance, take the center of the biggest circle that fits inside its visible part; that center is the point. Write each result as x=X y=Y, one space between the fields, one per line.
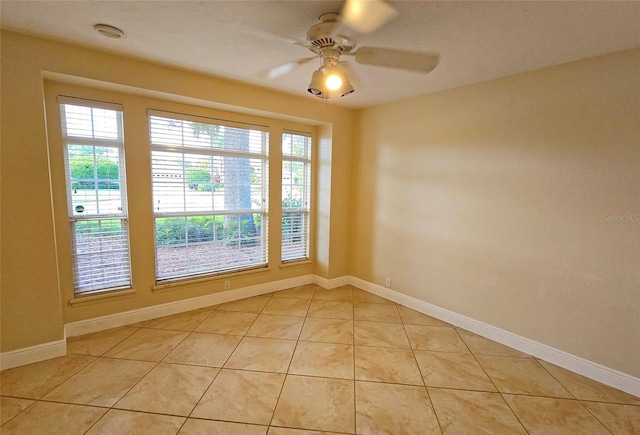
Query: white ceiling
x=241 y=40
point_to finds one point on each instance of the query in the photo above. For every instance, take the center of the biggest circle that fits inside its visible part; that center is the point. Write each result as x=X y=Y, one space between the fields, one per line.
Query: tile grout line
x=353 y=345
x=286 y=373
x=153 y=368
x=491 y=380
x=596 y=417
x=157 y=363
x=413 y=352
x=225 y=362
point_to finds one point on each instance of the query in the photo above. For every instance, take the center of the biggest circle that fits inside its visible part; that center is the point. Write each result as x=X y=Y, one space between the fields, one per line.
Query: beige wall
x=492 y=201
x=36 y=284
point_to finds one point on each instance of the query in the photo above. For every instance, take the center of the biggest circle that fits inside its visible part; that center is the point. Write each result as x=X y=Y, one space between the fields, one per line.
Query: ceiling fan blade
x=285 y=68
x=365 y=16
x=400 y=59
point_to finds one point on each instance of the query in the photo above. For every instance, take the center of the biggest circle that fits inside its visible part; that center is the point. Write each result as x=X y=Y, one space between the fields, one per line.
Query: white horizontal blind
x=296 y=195
x=96 y=196
x=209 y=195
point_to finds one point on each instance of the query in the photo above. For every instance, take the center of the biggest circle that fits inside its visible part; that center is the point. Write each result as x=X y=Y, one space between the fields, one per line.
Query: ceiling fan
x=328 y=41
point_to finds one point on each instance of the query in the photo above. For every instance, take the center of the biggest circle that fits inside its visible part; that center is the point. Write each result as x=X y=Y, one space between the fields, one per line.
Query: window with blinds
x=96 y=196
x=210 y=186
x=296 y=191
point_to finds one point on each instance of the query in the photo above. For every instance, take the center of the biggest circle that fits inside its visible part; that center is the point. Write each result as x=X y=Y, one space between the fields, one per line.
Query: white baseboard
x=589 y=369
x=330 y=283
x=32 y=354
x=128 y=317
x=597 y=372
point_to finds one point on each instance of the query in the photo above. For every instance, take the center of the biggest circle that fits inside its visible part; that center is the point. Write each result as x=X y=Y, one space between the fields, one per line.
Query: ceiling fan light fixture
x=347 y=87
x=333 y=81
x=317 y=84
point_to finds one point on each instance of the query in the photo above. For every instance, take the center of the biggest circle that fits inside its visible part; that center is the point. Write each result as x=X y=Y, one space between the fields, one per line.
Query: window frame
x=183 y=150
x=80 y=291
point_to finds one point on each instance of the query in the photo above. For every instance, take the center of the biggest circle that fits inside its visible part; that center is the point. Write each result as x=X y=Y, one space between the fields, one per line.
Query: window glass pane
x=184 y=182
x=201 y=244
x=183 y=133
x=91 y=122
x=94 y=180
x=294 y=235
x=101 y=254
x=296 y=145
x=294 y=184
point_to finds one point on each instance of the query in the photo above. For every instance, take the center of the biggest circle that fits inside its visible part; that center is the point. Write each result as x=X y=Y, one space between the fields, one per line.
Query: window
x=209 y=195
x=296 y=188
x=96 y=196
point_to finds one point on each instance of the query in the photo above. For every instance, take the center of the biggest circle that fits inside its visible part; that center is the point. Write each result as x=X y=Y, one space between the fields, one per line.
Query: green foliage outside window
x=83 y=172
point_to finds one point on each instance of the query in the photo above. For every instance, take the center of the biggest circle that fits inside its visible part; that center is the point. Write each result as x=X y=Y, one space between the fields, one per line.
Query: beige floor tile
x=227 y=322
x=380 y=334
x=331 y=309
x=363 y=296
x=473 y=412
x=169 y=389
x=147 y=345
x=521 y=376
x=200 y=349
x=98 y=343
x=53 y=418
x=397 y=366
x=316 y=404
x=240 y=396
x=35 y=380
x=102 y=383
x=262 y=354
x=287 y=306
x=344 y=293
x=619 y=419
x=208 y=427
x=180 y=322
x=413 y=317
x=376 y=312
x=327 y=330
x=435 y=338
x=286 y=431
x=483 y=346
x=274 y=326
x=549 y=416
x=323 y=359
x=10 y=407
x=302 y=292
x=127 y=422
x=452 y=370
x=248 y=305
x=587 y=389
x=394 y=409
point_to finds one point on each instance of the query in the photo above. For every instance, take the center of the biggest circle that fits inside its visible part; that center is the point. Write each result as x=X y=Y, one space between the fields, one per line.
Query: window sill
x=295 y=263
x=188 y=282
x=82 y=300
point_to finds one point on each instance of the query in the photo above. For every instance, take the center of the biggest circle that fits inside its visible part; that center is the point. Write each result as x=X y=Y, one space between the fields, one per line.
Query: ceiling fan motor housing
x=321 y=36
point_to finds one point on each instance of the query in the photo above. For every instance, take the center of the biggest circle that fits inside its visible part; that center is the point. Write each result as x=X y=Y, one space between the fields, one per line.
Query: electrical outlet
x=388 y=282
x=227 y=285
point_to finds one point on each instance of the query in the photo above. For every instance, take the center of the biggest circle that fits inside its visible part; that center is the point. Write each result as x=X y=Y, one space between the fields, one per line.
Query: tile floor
x=304 y=361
